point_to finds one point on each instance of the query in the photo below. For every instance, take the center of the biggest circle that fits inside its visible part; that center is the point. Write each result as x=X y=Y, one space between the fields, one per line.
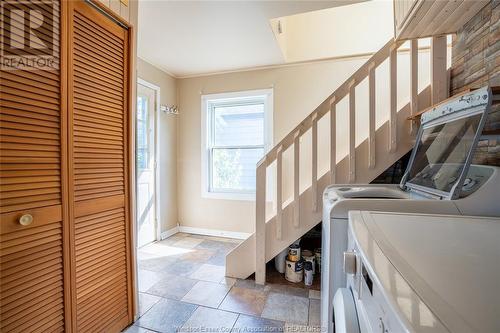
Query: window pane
x=239 y=125
x=142 y=158
x=142 y=133
x=234 y=169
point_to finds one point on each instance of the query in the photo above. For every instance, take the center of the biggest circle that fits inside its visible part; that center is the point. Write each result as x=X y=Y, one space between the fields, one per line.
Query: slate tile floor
x=182 y=288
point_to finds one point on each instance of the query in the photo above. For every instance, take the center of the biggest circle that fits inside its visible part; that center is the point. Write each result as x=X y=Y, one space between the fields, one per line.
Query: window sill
x=229 y=196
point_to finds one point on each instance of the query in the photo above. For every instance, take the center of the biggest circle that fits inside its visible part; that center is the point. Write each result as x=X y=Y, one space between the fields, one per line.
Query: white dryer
x=439 y=179
x=420 y=273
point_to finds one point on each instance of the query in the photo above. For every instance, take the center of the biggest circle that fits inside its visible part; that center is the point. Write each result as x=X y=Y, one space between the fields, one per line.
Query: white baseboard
x=213 y=232
x=169 y=233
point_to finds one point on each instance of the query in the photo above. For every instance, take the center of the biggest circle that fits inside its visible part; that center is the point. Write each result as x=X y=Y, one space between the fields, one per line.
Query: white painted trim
x=157 y=153
x=275 y=66
x=145 y=83
x=169 y=232
x=214 y=232
x=268 y=140
x=228 y=195
x=160 y=68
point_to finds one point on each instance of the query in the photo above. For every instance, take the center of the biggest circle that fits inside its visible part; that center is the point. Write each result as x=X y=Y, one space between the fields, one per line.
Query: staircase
x=384 y=145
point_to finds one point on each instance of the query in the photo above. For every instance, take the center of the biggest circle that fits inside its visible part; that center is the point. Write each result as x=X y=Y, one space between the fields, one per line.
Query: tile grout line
x=216 y=252
x=232 y=327
x=225 y=296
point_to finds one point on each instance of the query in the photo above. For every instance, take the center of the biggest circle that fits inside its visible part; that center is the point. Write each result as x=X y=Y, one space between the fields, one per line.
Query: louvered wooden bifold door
x=31 y=160
x=98 y=117
x=64 y=174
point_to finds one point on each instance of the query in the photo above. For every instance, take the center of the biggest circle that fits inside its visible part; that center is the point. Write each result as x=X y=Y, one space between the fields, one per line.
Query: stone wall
x=476 y=63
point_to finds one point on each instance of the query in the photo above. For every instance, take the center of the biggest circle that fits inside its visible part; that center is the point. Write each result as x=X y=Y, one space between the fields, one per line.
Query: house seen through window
x=236 y=139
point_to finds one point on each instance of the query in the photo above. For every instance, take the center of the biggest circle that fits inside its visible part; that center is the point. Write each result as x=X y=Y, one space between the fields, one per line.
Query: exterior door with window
x=145 y=165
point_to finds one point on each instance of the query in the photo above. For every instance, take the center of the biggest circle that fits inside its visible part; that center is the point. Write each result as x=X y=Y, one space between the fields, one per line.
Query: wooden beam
x=260 y=223
x=371 y=117
x=419 y=113
x=352 y=131
x=439 y=74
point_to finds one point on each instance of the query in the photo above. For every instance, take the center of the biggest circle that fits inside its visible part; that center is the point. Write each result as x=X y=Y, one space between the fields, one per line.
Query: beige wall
x=297 y=90
x=167 y=143
x=322 y=34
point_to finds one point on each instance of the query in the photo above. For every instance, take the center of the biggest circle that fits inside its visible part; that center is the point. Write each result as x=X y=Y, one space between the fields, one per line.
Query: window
x=142 y=133
x=237 y=135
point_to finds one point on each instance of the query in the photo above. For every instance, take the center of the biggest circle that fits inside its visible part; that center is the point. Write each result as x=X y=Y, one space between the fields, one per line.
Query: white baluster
x=352 y=131
x=393 y=116
x=371 y=116
x=314 y=171
x=333 y=140
x=279 y=192
x=296 y=179
x=260 y=223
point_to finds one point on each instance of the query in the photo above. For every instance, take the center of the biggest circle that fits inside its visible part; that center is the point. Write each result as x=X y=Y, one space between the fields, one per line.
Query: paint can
x=308 y=256
x=294 y=271
x=317 y=255
x=279 y=261
x=308 y=273
x=294 y=252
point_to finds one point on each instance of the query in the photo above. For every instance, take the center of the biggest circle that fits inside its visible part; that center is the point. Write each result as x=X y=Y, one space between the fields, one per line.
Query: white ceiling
x=197 y=37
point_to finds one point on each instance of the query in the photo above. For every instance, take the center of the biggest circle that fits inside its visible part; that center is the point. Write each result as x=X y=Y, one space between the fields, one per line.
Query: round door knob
x=26 y=219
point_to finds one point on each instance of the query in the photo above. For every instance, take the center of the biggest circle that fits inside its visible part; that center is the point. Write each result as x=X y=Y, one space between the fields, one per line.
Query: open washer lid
x=445 y=144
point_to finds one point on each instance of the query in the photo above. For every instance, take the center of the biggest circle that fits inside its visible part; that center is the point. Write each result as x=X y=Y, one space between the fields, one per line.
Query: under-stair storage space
x=66 y=244
x=298 y=265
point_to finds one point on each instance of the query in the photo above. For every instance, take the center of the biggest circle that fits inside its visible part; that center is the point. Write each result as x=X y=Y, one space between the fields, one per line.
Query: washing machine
x=439 y=179
x=419 y=273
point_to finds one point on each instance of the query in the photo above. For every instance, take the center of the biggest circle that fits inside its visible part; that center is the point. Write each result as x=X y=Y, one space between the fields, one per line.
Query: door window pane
x=142 y=133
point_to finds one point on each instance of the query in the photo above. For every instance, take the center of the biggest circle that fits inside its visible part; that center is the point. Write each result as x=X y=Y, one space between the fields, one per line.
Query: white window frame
x=267 y=94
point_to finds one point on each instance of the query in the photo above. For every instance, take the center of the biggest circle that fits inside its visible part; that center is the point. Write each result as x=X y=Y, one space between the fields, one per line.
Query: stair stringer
x=240 y=262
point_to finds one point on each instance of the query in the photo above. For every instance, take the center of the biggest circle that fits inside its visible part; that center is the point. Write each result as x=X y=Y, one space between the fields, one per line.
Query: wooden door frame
x=68 y=210
x=156 y=118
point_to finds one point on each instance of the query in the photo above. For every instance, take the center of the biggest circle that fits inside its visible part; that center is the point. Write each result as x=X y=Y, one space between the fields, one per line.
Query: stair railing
x=389 y=50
